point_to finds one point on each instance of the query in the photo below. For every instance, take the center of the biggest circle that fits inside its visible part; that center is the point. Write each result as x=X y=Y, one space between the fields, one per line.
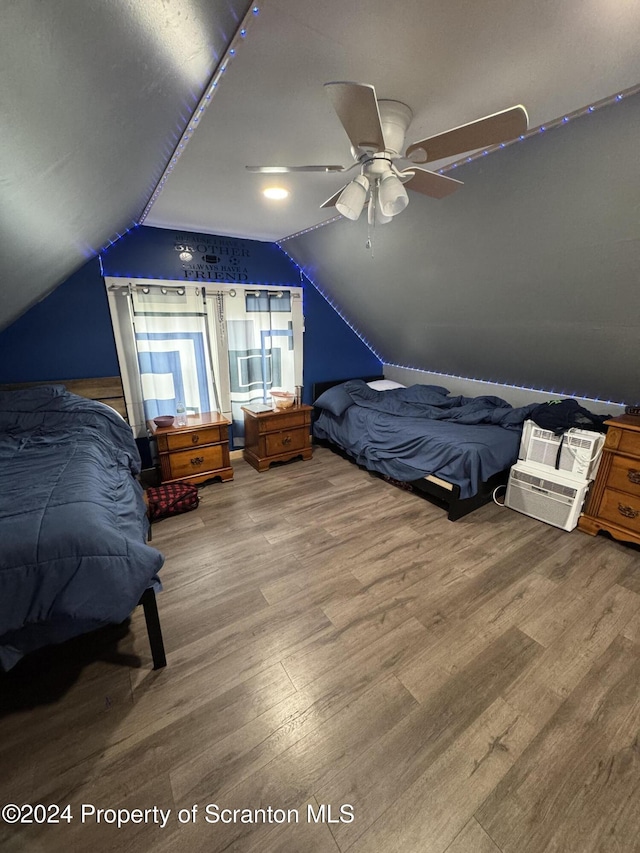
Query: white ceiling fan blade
x=330 y=202
x=430 y=183
x=357 y=108
x=282 y=170
x=490 y=130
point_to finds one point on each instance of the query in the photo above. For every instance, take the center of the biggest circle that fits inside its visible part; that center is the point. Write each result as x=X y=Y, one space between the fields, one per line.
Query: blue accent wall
x=331 y=349
x=155 y=253
x=68 y=335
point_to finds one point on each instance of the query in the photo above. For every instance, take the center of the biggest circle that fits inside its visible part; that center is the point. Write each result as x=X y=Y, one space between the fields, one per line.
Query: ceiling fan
x=376 y=130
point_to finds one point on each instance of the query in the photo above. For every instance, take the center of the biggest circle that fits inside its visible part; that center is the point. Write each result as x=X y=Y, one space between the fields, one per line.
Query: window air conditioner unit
x=550 y=497
x=575 y=454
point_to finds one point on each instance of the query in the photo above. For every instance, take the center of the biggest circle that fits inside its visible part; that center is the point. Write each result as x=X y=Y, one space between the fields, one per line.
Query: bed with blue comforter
x=73 y=525
x=408 y=434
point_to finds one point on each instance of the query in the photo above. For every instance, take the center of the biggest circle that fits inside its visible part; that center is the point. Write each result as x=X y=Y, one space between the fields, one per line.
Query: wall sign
x=213 y=258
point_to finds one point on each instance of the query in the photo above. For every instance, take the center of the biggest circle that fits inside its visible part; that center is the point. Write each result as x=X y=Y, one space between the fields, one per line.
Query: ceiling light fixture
x=392 y=195
x=277 y=193
x=353 y=197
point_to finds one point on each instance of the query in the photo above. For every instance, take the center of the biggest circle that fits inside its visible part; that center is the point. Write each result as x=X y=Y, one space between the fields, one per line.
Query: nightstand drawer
x=625 y=475
x=282 y=442
x=206 y=435
x=283 y=421
x=622 y=509
x=196 y=460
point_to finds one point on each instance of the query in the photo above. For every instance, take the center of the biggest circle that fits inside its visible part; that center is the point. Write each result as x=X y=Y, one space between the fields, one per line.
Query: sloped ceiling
x=93 y=96
x=451 y=61
x=529 y=275
x=96 y=95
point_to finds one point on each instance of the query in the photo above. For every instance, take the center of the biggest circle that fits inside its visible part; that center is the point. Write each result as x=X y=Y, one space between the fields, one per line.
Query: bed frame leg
x=150 y=606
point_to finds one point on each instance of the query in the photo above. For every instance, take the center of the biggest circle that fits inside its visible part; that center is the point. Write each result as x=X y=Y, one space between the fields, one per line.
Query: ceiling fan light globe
x=353 y=197
x=392 y=196
x=417 y=155
x=374 y=215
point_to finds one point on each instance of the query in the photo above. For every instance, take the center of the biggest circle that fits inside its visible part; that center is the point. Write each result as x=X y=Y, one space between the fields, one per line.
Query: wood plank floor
x=332 y=641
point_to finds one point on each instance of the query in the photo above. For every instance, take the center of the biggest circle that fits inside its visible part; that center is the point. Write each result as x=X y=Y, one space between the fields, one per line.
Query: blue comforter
x=72 y=520
x=409 y=433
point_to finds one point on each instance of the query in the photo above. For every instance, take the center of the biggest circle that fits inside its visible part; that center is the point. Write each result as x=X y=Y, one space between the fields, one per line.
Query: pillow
x=384 y=385
x=334 y=400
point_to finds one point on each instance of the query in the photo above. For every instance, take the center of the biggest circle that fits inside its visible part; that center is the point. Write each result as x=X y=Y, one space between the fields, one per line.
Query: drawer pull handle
x=628 y=511
x=286 y=439
x=633 y=475
x=195 y=438
x=197 y=460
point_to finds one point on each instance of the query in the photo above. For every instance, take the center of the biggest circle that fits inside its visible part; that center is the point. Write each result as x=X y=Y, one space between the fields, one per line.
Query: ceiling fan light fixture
x=374 y=215
x=392 y=196
x=353 y=197
x=276 y=193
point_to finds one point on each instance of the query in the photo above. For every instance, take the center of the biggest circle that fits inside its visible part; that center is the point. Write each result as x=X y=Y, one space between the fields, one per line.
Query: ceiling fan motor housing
x=395 y=118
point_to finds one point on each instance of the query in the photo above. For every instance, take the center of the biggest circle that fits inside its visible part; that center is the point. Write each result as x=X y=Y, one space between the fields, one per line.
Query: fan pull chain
x=371 y=216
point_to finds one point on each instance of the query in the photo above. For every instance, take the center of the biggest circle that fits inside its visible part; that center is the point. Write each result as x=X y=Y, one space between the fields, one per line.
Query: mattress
x=422 y=431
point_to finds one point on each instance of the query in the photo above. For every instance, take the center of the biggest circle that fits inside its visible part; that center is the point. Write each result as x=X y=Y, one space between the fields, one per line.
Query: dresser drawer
x=284 y=421
x=623 y=441
x=197 y=460
x=206 y=435
x=624 y=475
x=622 y=509
x=286 y=440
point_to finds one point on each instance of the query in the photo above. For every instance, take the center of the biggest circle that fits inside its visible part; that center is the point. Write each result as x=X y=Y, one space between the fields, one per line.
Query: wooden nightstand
x=277 y=436
x=614 y=500
x=196 y=452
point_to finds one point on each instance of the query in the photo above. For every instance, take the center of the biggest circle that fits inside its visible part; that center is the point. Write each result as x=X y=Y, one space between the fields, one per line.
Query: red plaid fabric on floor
x=171 y=499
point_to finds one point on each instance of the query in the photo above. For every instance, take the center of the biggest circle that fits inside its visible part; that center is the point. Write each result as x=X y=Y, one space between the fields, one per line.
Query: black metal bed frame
x=154 y=631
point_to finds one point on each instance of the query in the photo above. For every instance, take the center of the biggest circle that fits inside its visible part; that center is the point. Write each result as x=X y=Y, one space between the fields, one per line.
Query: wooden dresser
x=196 y=452
x=277 y=436
x=614 y=500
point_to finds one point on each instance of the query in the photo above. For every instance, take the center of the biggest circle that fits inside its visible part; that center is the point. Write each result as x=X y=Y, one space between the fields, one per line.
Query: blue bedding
x=72 y=520
x=410 y=433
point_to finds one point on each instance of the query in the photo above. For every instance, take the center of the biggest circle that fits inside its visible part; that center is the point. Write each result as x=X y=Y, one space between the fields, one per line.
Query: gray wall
x=475 y=388
x=529 y=275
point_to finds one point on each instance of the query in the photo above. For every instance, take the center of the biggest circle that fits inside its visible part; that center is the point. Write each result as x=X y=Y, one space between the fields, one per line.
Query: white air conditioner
x=575 y=454
x=551 y=498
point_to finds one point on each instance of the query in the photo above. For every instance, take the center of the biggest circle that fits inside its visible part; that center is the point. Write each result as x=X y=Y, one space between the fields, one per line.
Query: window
x=215 y=349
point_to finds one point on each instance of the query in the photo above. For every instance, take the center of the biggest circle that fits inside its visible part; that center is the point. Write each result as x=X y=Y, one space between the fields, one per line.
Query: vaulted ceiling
x=95 y=97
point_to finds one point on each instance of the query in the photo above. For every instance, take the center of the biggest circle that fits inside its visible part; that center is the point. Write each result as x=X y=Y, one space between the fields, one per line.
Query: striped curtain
x=263 y=329
x=212 y=349
x=172 y=345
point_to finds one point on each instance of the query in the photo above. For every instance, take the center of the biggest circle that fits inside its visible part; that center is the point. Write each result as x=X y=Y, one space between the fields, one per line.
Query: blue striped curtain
x=173 y=350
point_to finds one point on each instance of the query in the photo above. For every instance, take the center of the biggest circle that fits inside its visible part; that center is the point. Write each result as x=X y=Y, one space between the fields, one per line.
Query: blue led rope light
x=329 y=301
x=307 y=230
x=369 y=346
x=114 y=239
x=605 y=102
x=542 y=128
x=202 y=105
x=193 y=122
x=504 y=384
x=536 y=131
